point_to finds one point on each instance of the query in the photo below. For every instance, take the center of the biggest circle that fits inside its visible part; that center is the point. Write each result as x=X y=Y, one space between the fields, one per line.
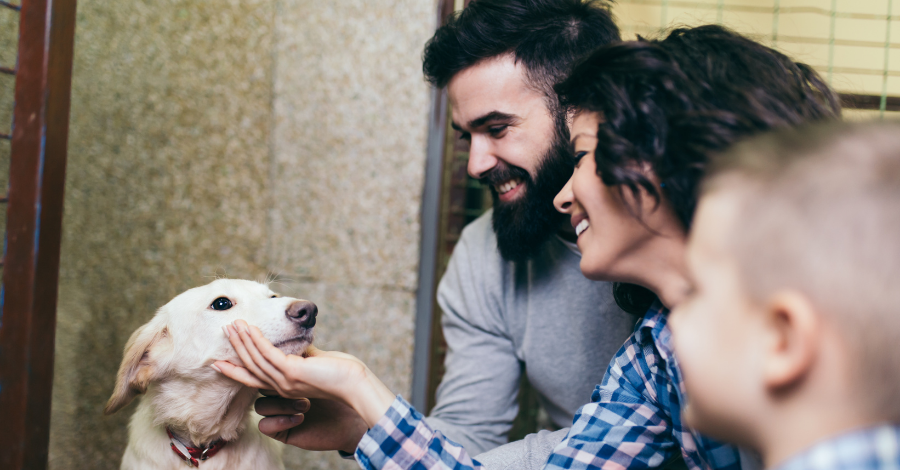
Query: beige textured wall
x=241 y=138
x=350 y=112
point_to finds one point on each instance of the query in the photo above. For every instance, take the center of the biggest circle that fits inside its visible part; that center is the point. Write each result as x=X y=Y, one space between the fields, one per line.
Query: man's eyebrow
x=490 y=117
x=482 y=120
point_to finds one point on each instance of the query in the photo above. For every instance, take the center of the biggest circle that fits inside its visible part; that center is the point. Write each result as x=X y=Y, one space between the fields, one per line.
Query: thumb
x=312 y=351
x=273 y=425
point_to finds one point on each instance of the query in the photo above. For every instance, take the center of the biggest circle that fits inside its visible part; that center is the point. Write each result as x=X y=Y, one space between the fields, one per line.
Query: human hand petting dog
x=328 y=375
x=326 y=424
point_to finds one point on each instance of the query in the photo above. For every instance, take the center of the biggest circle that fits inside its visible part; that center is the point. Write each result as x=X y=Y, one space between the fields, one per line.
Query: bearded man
x=513 y=298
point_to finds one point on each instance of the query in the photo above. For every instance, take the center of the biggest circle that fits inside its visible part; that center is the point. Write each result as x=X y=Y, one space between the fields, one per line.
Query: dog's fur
x=169 y=359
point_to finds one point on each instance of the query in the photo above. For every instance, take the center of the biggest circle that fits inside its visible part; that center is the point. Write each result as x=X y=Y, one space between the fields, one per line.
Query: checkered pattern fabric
x=634 y=420
x=402 y=440
x=876 y=448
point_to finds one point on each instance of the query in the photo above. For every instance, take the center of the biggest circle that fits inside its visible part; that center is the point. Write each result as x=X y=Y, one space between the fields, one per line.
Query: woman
x=648 y=117
x=648 y=114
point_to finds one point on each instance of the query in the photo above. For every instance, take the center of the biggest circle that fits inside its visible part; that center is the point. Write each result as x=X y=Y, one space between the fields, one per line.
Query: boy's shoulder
x=874 y=448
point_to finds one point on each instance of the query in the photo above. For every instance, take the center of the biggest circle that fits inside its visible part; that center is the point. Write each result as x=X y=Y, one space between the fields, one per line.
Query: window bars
x=854 y=45
x=6 y=134
x=38 y=140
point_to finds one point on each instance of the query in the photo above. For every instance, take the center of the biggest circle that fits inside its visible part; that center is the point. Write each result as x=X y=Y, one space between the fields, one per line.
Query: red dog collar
x=194 y=455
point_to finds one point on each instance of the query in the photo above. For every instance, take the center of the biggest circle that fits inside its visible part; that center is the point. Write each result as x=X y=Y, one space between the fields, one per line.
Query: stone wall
x=240 y=138
x=350 y=124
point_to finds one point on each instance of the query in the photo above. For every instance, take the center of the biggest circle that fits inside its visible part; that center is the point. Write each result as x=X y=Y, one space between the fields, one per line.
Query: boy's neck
x=786 y=440
x=827 y=402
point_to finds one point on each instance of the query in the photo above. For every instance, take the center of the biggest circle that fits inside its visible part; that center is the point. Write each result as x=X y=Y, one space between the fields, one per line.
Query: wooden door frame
x=37 y=172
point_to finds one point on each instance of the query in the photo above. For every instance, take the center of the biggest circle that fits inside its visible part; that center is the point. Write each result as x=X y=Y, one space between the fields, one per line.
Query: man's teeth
x=507 y=186
x=581 y=227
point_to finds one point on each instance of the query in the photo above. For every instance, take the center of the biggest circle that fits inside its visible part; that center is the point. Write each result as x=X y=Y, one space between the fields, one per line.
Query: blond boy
x=790 y=340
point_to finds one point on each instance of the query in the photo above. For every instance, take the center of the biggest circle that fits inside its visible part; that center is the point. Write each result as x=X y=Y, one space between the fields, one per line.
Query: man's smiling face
x=505 y=121
x=514 y=147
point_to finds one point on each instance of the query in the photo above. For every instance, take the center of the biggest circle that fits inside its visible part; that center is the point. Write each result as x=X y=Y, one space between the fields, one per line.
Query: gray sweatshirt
x=500 y=318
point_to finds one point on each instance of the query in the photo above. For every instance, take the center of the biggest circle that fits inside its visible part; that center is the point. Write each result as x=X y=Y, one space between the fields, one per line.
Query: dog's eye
x=221 y=303
x=273 y=296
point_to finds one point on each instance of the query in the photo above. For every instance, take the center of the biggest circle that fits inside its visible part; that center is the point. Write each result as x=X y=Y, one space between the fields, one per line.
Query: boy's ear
x=793 y=325
x=138 y=366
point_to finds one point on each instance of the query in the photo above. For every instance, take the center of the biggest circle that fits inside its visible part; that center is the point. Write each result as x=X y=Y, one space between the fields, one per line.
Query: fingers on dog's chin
x=245 y=377
x=273 y=425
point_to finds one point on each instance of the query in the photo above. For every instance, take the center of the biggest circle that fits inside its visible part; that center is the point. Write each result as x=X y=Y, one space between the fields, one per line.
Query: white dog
x=191 y=413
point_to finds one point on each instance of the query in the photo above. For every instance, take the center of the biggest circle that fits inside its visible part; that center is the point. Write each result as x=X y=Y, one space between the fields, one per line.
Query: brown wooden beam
x=34 y=222
x=873 y=102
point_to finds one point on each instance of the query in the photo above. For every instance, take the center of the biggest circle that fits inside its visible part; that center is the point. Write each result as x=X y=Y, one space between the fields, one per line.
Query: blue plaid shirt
x=402 y=440
x=634 y=421
x=876 y=448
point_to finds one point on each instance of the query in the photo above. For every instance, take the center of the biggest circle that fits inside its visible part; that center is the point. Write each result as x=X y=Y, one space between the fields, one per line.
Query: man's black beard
x=523 y=225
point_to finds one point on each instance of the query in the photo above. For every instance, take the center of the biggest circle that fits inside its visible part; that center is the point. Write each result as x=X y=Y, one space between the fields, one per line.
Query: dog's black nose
x=303 y=312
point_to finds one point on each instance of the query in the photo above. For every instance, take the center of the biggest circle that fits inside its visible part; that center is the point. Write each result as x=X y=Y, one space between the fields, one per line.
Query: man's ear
x=793 y=326
x=138 y=367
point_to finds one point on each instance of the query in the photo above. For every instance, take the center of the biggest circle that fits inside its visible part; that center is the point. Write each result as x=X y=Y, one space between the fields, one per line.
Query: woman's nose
x=563 y=200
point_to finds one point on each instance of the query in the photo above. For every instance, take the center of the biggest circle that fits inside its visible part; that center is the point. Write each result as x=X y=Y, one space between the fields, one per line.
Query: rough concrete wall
x=240 y=138
x=349 y=149
x=167 y=185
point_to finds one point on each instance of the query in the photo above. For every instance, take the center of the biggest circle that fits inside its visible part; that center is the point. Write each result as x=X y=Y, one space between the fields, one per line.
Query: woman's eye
x=222 y=303
x=578 y=156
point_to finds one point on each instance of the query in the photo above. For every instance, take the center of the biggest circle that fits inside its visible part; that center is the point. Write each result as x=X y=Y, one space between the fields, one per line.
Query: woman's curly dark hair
x=670 y=104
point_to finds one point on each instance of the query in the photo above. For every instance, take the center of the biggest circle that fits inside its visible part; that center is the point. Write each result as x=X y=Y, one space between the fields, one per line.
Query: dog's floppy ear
x=138 y=368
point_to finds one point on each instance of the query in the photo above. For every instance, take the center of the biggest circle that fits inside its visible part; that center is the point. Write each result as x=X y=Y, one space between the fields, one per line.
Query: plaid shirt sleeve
x=403 y=440
x=625 y=426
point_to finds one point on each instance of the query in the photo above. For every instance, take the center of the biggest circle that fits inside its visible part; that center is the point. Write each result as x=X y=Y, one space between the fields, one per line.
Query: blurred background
x=289 y=138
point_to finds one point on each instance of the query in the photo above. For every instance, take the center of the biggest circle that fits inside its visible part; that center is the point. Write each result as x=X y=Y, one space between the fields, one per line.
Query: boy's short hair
x=820 y=213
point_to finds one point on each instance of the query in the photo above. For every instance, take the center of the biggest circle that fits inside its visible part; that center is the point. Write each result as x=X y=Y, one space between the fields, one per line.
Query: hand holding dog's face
x=186 y=335
x=321 y=374
x=329 y=375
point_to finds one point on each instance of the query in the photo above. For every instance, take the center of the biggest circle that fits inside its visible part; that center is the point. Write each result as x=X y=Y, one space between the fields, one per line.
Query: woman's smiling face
x=611 y=238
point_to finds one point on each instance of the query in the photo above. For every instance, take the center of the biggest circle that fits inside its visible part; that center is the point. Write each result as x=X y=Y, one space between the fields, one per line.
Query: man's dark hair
x=547 y=36
x=670 y=104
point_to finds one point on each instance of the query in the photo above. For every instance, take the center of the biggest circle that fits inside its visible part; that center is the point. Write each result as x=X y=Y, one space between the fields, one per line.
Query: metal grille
x=9 y=28
x=854 y=44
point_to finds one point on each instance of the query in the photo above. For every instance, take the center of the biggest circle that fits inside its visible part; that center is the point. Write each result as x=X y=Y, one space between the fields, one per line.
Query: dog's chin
x=296 y=345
